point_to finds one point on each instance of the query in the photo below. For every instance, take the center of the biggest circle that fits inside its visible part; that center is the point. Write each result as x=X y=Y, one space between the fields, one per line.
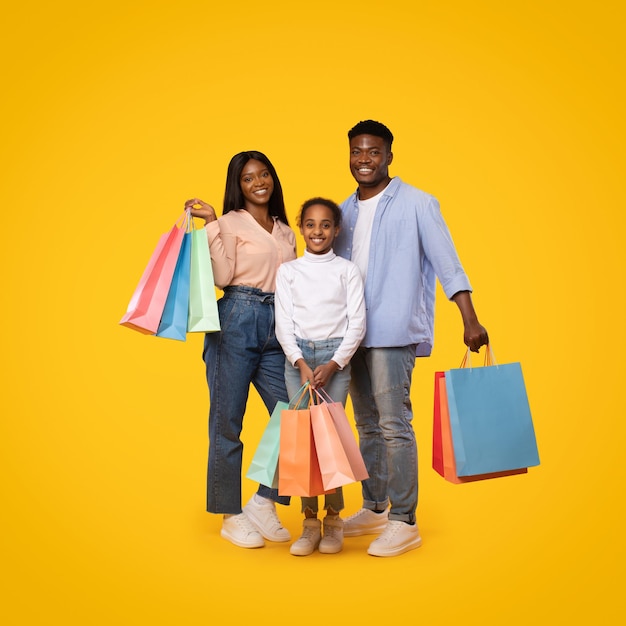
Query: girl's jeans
x=244 y=351
x=317 y=353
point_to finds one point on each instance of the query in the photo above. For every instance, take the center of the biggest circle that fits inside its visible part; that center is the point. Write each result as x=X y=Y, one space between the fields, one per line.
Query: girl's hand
x=323 y=373
x=306 y=373
x=201 y=209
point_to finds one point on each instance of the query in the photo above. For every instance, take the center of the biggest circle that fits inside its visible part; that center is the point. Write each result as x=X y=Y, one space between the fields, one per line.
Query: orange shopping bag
x=298 y=468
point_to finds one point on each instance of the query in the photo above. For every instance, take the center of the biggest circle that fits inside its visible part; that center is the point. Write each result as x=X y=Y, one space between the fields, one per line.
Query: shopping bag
x=298 y=468
x=332 y=459
x=264 y=465
x=148 y=301
x=349 y=443
x=443 y=432
x=173 y=323
x=490 y=420
x=437 y=441
x=203 y=315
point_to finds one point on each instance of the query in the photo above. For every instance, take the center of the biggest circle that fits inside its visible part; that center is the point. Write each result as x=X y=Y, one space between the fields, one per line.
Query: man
x=396 y=235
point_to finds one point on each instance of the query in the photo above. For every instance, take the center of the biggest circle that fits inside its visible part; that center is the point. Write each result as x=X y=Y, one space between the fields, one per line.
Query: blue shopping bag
x=173 y=324
x=490 y=419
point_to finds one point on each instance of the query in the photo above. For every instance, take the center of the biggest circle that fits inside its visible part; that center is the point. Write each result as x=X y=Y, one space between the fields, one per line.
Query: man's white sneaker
x=365 y=522
x=397 y=538
x=262 y=513
x=332 y=541
x=310 y=538
x=238 y=530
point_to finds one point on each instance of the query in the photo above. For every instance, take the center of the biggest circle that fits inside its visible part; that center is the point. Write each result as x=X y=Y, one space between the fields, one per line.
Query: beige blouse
x=244 y=253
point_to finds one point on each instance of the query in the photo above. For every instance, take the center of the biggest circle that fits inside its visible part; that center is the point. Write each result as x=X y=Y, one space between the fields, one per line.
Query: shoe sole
x=407 y=547
x=240 y=544
x=324 y=550
x=297 y=553
x=359 y=532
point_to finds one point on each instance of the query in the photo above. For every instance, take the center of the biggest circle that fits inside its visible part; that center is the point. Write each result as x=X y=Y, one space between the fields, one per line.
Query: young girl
x=320 y=322
x=248 y=243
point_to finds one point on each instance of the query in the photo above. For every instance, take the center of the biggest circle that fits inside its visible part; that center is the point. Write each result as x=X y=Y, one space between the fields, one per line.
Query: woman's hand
x=201 y=209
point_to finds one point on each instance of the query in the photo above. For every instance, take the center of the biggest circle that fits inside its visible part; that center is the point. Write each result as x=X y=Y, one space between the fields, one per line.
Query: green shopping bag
x=202 y=315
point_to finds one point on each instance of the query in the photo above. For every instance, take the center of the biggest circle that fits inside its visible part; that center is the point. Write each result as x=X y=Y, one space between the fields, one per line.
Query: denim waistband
x=319 y=344
x=241 y=292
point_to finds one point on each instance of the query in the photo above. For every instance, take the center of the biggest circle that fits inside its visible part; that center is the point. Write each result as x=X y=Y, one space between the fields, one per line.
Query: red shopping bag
x=437 y=442
x=148 y=301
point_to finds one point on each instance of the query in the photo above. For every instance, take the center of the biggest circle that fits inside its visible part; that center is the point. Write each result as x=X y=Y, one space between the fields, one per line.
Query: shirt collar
x=319 y=258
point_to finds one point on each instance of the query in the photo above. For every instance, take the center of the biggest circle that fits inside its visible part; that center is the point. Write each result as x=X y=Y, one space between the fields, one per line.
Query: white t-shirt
x=363 y=233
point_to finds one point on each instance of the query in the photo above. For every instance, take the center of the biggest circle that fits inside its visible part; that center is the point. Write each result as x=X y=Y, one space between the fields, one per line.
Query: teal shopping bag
x=264 y=466
x=202 y=315
x=173 y=324
x=490 y=419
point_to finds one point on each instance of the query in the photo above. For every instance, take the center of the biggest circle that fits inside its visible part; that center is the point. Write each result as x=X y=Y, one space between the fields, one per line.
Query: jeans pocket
x=226 y=308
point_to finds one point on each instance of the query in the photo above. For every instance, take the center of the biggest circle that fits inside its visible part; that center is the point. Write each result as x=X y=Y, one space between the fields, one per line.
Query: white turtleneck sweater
x=320 y=296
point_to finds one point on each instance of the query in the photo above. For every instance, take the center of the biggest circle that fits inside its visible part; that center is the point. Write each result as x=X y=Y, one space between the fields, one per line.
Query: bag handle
x=184 y=219
x=302 y=398
x=323 y=395
x=490 y=358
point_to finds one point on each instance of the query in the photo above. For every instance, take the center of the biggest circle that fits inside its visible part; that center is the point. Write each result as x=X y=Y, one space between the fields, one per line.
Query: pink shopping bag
x=148 y=301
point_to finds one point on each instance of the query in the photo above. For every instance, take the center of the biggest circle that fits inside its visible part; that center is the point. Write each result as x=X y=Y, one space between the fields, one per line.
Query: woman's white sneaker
x=238 y=530
x=262 y=513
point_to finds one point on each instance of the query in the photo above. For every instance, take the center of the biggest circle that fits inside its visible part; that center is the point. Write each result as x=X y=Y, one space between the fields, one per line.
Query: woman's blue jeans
x=245 y=351
x=317 y=353
x=380 y=390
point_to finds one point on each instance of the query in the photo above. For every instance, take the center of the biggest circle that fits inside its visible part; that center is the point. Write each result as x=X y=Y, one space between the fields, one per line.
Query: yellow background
x=114 y=113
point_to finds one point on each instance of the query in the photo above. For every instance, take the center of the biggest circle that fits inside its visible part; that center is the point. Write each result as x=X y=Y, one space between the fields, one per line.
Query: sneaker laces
x=356 y=516
x=244 y=523
x=309 y=532
x=392 y=527
x=276 y=523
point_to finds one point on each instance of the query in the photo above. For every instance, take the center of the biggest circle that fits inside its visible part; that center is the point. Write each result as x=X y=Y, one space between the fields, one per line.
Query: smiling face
x=318 y=229
x=256 y=183
x=370 y=158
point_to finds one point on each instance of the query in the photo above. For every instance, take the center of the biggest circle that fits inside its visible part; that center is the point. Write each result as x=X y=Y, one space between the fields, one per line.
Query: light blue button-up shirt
x=410 y=247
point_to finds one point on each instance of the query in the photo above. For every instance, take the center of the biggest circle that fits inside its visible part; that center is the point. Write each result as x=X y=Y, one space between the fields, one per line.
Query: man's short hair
x=371 y=127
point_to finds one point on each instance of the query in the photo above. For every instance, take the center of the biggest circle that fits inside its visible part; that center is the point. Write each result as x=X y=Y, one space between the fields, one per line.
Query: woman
x=248 y=243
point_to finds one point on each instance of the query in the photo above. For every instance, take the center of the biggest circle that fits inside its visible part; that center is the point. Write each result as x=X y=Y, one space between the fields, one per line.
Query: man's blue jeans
x=380 y=390
x=245 y=351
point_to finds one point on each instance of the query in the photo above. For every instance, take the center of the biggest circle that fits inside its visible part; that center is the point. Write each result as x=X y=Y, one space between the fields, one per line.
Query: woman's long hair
x=233 y=196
